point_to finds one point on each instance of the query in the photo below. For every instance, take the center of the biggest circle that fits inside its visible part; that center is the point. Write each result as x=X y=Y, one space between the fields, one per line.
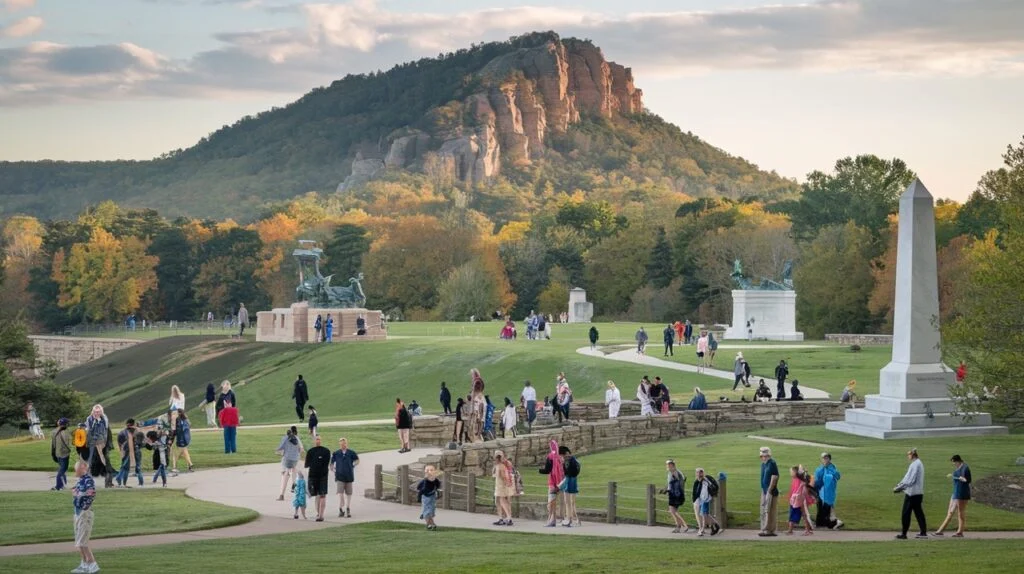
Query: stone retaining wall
x=848 y=339
x=69 y=352
x=626 y=431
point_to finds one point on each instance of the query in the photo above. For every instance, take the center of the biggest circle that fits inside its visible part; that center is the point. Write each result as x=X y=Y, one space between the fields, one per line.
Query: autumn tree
x=469 y=290
x=105 y=278
x=555 y=297
x=230 y=272
x=834 y=281
x=21 y=239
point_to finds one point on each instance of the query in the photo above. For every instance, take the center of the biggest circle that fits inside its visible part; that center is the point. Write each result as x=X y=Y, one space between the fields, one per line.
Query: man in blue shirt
x=769 y=493
x=343 y=463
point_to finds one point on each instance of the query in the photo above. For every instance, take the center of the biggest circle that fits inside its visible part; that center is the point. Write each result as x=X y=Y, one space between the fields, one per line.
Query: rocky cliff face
x=523 y=96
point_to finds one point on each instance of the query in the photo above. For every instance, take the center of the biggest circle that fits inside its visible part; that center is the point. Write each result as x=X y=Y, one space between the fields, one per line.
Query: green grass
x=207 y=450
x=869 y=471
x=366 y=547
x=46 y=516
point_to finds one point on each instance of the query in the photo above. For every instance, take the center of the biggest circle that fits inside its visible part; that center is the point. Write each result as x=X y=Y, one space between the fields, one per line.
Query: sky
x=789 y=85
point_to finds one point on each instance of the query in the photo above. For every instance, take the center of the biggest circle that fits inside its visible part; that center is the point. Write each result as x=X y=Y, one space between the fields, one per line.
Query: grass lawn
x=207 y=449
x=869 y=471
x=367 y=547
x=46 y=516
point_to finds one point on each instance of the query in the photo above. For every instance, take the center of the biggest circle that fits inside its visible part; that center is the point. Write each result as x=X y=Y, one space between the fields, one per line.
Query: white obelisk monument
x=914 y=387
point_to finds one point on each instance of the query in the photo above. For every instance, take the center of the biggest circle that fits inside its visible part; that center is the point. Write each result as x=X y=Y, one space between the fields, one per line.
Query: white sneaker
x=94 y=567
x=80 y=570
x=839 y=524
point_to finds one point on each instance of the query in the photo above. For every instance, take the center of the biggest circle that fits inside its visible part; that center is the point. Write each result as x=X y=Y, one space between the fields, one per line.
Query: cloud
x=937 y=37
x=22 y=28
x=13 y=5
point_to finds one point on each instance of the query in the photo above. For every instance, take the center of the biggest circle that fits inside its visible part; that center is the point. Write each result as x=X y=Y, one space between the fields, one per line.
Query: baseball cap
x=826 y=455
x=765 y=451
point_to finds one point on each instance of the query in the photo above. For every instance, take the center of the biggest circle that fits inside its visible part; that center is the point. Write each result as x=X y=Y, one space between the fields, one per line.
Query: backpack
x=712 y=486
x=183 y=435
x=80 y=438
x=572 y=469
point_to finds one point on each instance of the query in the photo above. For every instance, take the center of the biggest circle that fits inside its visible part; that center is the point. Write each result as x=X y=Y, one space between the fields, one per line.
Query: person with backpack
x=80 y=440
x=318 y=326
x=504 y=488
x=182 y=439
x=705 y=488
x=675 y=489
x=826 y=479
x=60 y=451
x=593 y=335
x=570 y=486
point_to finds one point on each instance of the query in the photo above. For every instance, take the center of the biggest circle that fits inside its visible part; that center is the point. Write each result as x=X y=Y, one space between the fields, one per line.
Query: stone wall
x=69 y=352
x=848 y=339
x=625 y=431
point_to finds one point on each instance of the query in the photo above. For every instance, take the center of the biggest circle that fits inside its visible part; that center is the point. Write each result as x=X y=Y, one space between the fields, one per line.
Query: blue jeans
x=161 y=473
x=124 y=472
x=62 y=472
x=230 y=444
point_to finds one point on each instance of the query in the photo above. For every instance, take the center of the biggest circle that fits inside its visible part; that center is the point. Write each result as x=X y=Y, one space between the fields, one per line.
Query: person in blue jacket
x=826 y=479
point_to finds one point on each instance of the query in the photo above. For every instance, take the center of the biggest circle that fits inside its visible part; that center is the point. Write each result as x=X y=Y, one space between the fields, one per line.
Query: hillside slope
x=536 y=108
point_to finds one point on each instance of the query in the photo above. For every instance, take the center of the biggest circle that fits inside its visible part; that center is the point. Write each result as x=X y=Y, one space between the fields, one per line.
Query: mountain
x=537 y=111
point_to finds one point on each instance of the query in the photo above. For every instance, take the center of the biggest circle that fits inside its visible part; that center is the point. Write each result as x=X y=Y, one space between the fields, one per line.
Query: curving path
x=630 y=356
x=255 y=487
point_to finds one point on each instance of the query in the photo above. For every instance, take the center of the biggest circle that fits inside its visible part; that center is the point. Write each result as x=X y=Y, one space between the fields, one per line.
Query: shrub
x=855 y=348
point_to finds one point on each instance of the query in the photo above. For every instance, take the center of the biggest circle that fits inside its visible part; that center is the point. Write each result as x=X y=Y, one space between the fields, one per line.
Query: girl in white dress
x=613 y=399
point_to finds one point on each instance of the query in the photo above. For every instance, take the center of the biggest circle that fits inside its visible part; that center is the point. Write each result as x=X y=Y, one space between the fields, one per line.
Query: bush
x=855 y=348
x=51 y=400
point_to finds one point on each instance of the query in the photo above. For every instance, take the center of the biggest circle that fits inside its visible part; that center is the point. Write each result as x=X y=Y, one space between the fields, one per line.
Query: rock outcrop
x=524 y=95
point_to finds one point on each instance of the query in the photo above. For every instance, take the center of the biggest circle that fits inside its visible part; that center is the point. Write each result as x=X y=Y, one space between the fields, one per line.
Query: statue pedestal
x=772 y=315
x=580 y=310
x=295 y=324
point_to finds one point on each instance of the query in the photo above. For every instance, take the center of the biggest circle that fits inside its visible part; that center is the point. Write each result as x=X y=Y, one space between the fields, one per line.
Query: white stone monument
x=770 y=314
x=580 y=310
x=914 y=387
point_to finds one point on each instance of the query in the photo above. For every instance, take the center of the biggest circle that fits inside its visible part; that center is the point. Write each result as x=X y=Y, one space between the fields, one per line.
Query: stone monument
x=315 y=296
x=914 y=387
x=580 y=310
x=763 y=311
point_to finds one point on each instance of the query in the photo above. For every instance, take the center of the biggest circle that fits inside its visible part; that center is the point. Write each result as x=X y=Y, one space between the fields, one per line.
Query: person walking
x=641 y=341
x=488 y=418
x=528 y=398
x=555 y=470
x=243 y=319
x=446 y=399
x=678 y=327
x=826 y=480
x=403 y=422
x=704 y=489
x=318 y=465
x=712 y=349
x=912 y=487
x=702 y=352
x=182 y=440
x=669 y=336
x=344 y=462
x=571 y=487
x=509 y=419
x=675 y=489
x=504 y=488
x=781 y=372
x=961 y=496
x=84 y=492
x=228 y=419
x=738 y=370
x=460 y=423
x=688 y=332
x=60 y=452
x=769 y=493
x=613 y=399
x=427 y=489
x=643 y=394
x=300 y=392
x=210 y=405
x=97 y=428
x=593 y=335
x=290 y=451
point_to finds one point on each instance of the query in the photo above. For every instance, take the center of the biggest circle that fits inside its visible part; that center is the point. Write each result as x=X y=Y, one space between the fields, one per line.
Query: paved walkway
x=257 y=486
x=630 y=356
x=302 y=425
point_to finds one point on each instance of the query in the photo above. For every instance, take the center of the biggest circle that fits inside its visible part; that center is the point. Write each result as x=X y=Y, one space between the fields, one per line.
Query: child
x=313 y=422
x=84 y=492
x=299 y=502
x=798 y=500
x=157 y=442
x=427 y=490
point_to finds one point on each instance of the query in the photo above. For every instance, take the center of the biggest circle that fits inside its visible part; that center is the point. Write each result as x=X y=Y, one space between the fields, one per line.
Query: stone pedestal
x=580 y=310
x=295 y=324
x=913 y=399
x=772 y=315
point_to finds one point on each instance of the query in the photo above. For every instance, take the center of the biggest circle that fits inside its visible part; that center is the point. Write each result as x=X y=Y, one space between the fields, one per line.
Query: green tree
x=469 y=290
x=555 y=297
x=988 y=334
x=345 y=250
x=835 y=281
x=660 y=267
x=175 y=273
x=616 y=267
x=59 y=237
x=864 y=190
x=526 y=264
x=229 y=273
x=594 y=219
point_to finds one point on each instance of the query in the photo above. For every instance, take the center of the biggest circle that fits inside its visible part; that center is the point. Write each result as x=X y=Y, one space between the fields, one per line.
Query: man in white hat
x=769 y=493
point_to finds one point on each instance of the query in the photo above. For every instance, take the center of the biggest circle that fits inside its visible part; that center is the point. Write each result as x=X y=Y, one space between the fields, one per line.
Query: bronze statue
x=745 y=284
x=316 y=289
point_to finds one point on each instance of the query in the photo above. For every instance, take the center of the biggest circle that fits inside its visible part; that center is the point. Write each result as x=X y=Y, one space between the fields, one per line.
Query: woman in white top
x=509 y=419
x=643 y=394
x=176 y=403
x=613 y=399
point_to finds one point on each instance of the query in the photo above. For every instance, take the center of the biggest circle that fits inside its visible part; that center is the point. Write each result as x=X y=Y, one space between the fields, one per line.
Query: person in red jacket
x=961 y=372
x=228 y=418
